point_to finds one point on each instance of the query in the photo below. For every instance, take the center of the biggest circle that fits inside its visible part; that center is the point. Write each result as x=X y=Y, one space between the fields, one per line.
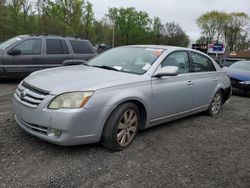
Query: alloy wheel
x=127 y=127
x=216 y=103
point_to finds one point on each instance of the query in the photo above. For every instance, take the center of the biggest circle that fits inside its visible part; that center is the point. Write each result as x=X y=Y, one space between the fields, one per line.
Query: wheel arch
x=225 y=92
x=139 y=103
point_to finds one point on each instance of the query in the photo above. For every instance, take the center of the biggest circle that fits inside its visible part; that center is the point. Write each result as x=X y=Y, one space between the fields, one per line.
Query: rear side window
x=81 y=47
x=30 y=47
x=56 y=46
x=201 y=63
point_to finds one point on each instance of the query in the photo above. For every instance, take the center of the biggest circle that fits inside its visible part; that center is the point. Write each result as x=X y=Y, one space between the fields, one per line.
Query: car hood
x=79 y=78
x=241 y=75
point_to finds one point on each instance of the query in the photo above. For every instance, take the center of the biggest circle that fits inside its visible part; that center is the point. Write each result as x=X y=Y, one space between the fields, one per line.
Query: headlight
x=241 y=82
x=71 y=100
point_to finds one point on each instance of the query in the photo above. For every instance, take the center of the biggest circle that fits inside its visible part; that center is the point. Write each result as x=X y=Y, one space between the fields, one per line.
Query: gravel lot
x=197 y=151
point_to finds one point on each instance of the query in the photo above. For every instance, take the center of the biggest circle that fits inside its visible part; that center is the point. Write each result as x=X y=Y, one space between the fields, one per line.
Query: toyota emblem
x=22 y=93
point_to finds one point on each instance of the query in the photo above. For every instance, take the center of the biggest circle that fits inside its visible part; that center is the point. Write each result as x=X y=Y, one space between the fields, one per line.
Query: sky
x=183 y=12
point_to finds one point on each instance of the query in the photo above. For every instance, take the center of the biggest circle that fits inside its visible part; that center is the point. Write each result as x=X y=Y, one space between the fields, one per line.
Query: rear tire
x=121 y=127
x=215 y=105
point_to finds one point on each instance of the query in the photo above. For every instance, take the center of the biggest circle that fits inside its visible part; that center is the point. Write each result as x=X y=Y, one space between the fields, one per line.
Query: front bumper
x=238 y=88
x=78 y=126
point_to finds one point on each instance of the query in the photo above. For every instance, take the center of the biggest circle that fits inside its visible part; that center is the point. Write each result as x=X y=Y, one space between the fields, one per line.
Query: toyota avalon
x=116 y=94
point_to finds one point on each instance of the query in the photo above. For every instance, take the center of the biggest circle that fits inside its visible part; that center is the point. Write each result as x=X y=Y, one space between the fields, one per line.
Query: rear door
x=173 y=94
x=30 y=59
x=205 y=78
x=56 y=51
x=82 y=49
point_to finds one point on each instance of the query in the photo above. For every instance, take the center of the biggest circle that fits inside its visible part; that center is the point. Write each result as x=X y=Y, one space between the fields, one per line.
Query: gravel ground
x=197 y=151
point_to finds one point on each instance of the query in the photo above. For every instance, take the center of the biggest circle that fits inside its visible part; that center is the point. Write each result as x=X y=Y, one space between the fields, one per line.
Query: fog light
x=54 y=132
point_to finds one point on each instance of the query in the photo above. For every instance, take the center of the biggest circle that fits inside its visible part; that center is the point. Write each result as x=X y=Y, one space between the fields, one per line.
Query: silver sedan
x=119 y=92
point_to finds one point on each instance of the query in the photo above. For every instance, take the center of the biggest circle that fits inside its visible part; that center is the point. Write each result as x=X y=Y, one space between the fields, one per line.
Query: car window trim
x=189 y=61
x=192 y=62
x=45 y=46
x=27 y=40
x=86 y=42
x=62 y=40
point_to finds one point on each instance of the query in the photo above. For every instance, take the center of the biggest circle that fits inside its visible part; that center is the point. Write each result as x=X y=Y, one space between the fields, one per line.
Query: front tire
x=121 y=127
x=215 y=105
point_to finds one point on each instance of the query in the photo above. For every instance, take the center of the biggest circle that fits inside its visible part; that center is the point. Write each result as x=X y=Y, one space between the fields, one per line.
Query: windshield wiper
x=105 y=67
x=85 y=63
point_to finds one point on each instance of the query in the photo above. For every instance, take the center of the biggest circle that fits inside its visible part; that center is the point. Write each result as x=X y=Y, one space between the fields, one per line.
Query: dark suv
x=21 y=55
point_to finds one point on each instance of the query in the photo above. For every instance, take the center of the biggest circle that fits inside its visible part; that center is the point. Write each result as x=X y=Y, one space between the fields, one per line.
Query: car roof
x=159 y=46
x=166 y=47
x=51 y=36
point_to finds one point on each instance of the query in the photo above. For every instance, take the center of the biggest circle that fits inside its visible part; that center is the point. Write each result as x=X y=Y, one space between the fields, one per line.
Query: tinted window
x=81 y=47
x=30 y=47
x=178 y=59
x=56 y=46
x=201 y=63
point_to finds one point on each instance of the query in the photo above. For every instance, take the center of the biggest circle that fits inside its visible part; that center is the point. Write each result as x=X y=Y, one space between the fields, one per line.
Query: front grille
x=33 y=127
x=30 y=95
x=235 y=83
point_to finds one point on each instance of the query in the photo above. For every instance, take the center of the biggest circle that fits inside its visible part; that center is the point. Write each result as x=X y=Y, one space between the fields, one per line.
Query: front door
x=30 y=59
x=173 y=94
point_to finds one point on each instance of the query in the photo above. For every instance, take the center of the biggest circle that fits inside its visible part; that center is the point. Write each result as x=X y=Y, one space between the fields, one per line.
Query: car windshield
x=9 y=42
x=136 y=60
x=242 y=65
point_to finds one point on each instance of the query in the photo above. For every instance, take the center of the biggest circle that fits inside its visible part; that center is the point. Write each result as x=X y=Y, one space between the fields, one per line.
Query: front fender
x=112 y=97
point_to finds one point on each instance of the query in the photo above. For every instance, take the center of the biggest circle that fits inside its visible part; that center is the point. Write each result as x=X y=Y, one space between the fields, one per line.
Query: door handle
x=190 y=83
x=215 y=79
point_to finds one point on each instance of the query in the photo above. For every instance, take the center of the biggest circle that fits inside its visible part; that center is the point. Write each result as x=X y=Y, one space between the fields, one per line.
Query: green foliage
x=76 y=18
x=135 y=27
x=229 y=28
x=130 y=25
x=174 y=35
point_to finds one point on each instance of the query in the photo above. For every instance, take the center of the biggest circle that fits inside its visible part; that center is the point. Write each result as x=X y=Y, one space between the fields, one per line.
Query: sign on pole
x=216 y=48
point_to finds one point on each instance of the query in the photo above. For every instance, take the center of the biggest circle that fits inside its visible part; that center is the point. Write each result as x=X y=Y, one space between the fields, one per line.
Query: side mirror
x=14 y=52
x=167 y=71
x=73 y=62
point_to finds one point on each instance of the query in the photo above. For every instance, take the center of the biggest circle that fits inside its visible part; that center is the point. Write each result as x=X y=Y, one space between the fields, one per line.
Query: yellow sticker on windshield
x=158 y=52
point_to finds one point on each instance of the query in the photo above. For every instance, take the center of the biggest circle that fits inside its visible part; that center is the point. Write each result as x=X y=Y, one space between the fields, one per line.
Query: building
x=239 y=54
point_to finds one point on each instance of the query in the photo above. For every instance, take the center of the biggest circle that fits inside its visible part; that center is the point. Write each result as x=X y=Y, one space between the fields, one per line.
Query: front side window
x=80 y=47
x=56 y=46
x=202 y=63
x=30 y=47
x=136 y=60
x=178 y=59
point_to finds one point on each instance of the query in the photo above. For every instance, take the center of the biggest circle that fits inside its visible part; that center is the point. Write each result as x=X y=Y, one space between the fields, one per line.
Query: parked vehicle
x=103 y=47
x=239 y=74
x=117 y=93
x=226 y=62
x=21 y=55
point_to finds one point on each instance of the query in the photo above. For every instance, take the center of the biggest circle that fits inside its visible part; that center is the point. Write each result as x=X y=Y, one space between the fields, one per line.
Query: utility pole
x=113 y=36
